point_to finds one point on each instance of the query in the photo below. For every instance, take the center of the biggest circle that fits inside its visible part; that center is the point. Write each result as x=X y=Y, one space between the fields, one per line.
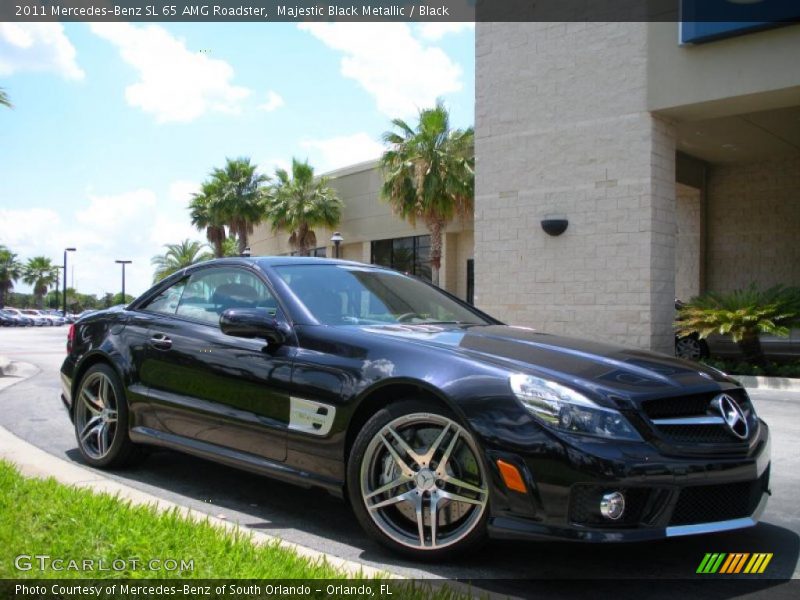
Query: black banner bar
x=741 y=11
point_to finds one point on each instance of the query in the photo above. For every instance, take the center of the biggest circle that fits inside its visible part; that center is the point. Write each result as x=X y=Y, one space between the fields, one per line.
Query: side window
x=212 y=291
x=167 y=301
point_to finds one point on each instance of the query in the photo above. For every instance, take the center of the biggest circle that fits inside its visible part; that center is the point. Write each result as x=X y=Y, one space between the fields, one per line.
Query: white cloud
x=132 y=225
x=37 y=47
x=181 y=191
x=273 y=102
x=268 y=166
x=434 y=31
x=401 y=73
x=175 y=84
x=337 y=152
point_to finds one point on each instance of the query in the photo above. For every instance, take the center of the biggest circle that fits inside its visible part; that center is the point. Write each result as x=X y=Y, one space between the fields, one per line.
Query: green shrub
x=743 y=315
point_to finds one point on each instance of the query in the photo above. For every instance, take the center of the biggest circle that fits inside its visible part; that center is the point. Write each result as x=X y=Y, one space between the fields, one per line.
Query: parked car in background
x=54 y=315
x=7 y=320
x=22 y=319
x=441 y=425
x=38 y=320
x=776 y=348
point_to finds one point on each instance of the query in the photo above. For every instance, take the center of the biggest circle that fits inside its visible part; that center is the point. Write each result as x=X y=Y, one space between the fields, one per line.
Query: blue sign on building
x=708 y=20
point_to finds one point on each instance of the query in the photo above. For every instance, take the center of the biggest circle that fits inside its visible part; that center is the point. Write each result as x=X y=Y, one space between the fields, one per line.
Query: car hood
x=604 y=369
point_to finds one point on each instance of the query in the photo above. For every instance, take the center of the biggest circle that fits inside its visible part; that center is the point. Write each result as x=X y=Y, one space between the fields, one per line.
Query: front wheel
x=101 y=420
x=690 y=348
x=417 y=482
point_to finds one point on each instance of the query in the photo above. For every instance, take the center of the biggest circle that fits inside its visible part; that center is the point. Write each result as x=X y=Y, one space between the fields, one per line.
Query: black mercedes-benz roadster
x=439 y=424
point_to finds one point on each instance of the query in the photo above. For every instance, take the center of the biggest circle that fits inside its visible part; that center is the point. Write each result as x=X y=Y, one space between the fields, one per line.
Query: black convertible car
x=439 y=424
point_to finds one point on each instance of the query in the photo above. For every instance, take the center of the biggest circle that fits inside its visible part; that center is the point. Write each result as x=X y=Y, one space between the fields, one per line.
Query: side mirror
x=252 y=323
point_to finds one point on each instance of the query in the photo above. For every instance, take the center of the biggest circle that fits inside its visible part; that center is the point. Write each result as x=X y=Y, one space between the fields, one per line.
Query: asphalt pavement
x=31 y=409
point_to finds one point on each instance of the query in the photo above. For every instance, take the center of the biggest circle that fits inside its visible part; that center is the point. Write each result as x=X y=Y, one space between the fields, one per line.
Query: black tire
x=690 y=348
x=474 y=524
x=119 y=451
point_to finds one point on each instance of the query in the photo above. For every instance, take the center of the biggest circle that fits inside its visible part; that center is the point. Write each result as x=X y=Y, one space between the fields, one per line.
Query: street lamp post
x=337 y=240
x=64 y=307
x=58 y=279
x=123 y=263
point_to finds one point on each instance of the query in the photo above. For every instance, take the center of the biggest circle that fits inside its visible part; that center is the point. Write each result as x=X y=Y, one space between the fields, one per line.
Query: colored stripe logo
x=734 y=563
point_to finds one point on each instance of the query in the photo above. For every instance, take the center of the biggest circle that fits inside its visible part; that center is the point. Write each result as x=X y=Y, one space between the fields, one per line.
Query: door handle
x=161 y=341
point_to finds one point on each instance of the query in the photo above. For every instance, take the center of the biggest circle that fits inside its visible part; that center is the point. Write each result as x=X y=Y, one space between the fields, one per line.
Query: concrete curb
x=786 y=384
x=34 y=462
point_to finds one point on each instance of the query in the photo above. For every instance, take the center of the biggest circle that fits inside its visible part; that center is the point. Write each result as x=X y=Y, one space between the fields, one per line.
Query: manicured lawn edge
x=44 y=517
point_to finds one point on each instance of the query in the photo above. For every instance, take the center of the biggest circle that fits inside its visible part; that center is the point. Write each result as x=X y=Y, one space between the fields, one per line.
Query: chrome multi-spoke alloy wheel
x=422 y=481
x=96 y=415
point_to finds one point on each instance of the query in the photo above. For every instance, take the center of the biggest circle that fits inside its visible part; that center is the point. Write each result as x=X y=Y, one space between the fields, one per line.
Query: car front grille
x=710 y=503
x=692 y=407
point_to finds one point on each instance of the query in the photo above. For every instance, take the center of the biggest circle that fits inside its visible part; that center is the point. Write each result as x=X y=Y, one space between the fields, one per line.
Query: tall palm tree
x=430 y=174
x=239 y=197
x=179 y=256
x=300 y=202
x=10 y=271
x=4 y=101
x=40 y=273
x=205 y=214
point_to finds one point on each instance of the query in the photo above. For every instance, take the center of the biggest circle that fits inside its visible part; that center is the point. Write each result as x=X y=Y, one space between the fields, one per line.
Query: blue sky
x=115 y=125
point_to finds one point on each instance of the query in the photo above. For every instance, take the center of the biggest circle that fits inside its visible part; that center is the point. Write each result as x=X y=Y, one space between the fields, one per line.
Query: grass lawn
x=44 y=517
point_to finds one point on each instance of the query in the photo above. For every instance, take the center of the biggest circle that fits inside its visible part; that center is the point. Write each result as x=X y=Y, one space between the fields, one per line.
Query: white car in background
x=38 y=319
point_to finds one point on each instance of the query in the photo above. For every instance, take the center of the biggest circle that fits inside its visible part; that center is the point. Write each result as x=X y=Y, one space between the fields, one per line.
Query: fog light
x=612 y=505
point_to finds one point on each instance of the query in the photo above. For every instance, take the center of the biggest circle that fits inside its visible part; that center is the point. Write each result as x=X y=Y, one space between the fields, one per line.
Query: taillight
x=70 y=337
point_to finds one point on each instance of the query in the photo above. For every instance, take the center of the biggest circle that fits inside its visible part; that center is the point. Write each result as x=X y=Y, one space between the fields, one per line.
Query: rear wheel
x=101 y=420
x=417 y=482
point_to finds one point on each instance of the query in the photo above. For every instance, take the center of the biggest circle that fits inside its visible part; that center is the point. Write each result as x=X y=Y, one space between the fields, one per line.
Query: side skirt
x=234 y=458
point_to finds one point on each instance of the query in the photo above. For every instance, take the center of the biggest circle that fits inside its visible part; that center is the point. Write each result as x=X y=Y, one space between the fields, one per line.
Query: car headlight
x=565 y=409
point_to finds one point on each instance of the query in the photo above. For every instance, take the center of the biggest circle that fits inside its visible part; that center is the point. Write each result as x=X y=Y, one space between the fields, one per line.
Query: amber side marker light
x=512 y=477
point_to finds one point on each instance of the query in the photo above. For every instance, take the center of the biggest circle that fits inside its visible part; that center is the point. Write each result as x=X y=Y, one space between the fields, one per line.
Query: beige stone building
x=677 y=167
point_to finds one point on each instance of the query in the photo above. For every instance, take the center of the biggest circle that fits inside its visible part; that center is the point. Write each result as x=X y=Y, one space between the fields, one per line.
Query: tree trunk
x=2 y=295
x=216 y=235
x=752 y=352
x=435 y=226
x=302 y=240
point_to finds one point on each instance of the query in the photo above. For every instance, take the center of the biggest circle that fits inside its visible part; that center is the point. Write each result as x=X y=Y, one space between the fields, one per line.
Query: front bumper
x=665 y=496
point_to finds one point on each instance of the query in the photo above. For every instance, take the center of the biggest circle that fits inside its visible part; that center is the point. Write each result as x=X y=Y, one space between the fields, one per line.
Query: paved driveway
x=32 y=410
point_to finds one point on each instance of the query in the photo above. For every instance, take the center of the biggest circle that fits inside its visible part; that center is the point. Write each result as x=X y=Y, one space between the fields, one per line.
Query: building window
x=321 y=252
x=409 y=254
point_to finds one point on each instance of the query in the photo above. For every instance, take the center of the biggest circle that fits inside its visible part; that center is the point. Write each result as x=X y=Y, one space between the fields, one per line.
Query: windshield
x=352 y=295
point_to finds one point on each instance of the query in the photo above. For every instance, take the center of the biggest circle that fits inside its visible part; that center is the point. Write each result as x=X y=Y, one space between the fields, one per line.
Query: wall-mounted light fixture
x=554 y=226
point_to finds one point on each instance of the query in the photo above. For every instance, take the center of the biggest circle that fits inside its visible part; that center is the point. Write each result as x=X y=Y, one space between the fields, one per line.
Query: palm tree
x=205 y=214
x=179 y=256
x=239 y=196
x=10 y=271
x=430 y=174
x=4 y=101
x=301 y=202
x=742 y=314
x=230 y=248
x=40 y=273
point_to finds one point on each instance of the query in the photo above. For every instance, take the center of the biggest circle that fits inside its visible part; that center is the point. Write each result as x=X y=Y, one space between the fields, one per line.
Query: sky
x=115 y=125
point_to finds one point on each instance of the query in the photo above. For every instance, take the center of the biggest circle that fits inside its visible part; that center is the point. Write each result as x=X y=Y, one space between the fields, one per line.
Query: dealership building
x=671 y=154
